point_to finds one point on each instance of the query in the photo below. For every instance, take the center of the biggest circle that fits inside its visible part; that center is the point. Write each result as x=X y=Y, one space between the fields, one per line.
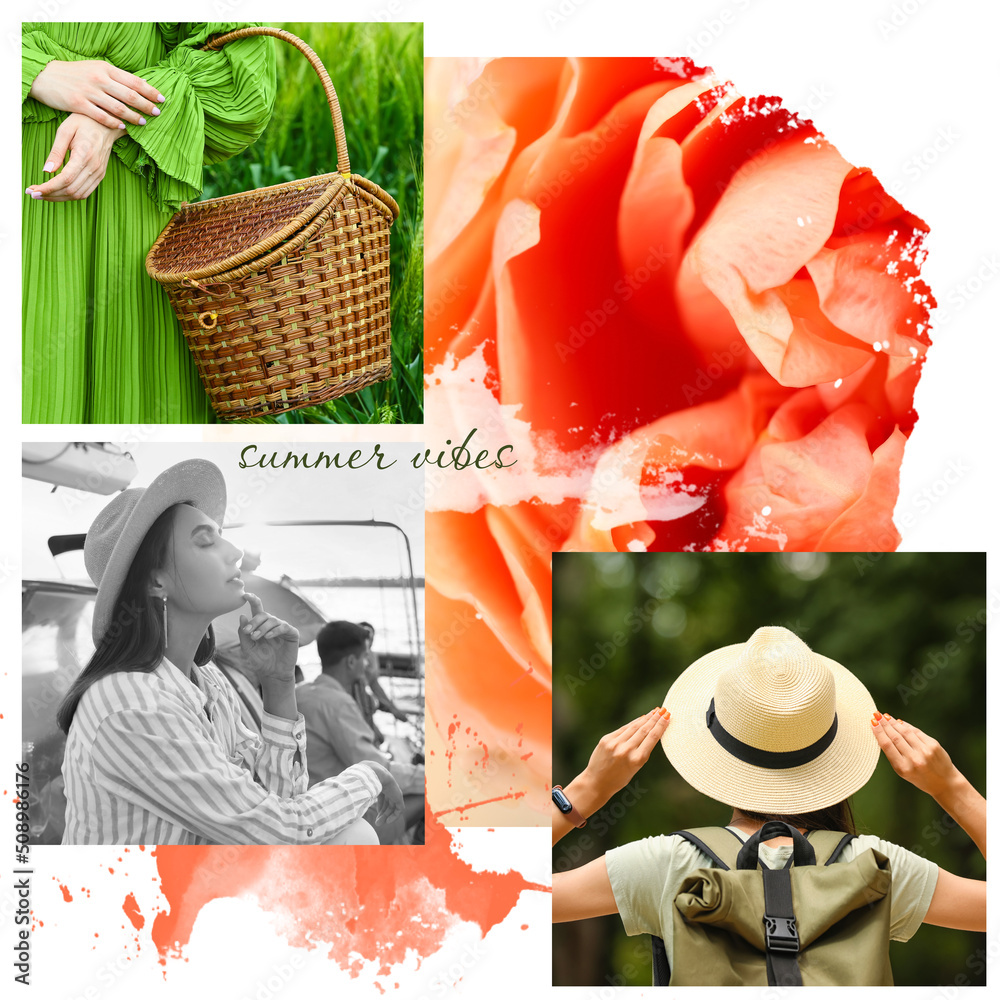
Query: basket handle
x=343 y=160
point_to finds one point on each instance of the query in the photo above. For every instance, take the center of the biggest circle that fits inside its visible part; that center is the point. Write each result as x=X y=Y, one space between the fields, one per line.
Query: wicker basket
x=283 y=292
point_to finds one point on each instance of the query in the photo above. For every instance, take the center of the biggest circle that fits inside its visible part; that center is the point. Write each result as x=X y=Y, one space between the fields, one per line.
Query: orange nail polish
x=662 y=711
x=878 y=715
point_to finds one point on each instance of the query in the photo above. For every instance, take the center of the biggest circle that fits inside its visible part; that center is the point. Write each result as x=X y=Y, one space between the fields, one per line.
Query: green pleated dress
x=101 y=342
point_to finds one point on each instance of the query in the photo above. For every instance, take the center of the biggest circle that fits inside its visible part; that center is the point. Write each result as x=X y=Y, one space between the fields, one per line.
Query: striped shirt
x=152 y=758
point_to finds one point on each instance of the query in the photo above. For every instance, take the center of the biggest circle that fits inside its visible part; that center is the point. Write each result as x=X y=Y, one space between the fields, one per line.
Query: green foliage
x=377 y=70
x=911 y=626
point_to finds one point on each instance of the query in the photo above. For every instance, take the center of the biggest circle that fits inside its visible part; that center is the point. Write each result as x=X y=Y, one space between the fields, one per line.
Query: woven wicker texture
x=283 y=292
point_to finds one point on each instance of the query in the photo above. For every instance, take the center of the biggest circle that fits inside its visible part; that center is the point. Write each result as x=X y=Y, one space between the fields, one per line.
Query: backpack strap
x=722 y=846
x=780 y=934
x=661 y=967
x=829 y=845
x=802 y=851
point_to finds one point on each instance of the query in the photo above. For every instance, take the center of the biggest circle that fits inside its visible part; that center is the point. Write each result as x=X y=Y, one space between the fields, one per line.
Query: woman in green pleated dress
x=117 y=123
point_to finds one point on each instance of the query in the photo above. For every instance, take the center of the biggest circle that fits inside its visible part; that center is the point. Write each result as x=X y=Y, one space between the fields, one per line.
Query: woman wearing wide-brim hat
x=155 y=750
x=777 y=732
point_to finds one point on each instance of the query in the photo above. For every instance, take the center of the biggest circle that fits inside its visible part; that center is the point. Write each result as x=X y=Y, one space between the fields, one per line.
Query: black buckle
x=780 y=934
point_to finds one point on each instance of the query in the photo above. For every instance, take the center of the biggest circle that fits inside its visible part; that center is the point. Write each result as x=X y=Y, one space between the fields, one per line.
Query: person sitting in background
x=368 y=691
x=336 y=729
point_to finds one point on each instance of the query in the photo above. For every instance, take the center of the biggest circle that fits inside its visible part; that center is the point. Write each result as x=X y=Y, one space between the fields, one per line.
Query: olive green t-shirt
x=646 y=875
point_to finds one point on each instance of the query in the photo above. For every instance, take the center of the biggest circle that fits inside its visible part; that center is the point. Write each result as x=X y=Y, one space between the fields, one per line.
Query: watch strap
x=574 y=815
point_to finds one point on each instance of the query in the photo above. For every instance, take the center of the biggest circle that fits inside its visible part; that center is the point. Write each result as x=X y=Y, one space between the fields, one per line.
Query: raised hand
x=613 y=764
x=922 y=761
x=97 y=89
x=914 y=756
x=619 y=755
x=269 y=646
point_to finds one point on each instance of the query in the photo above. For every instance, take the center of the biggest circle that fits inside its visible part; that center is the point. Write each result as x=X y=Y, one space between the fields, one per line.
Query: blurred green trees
x=377 y=70
x=911 y=626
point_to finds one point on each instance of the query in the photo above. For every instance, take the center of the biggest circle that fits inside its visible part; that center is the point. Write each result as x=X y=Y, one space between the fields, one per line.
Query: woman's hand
x=390 y=802
x=90 y=147
x=914 y=756
x=97 y=89
x=269 y=646
x=612 y=766
x=923 y=762
x=620 y=754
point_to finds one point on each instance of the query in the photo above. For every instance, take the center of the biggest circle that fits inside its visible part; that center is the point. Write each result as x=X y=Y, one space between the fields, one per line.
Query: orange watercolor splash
x=472 y=805
x=369 y=903
x=66 y=893
x=132 y=911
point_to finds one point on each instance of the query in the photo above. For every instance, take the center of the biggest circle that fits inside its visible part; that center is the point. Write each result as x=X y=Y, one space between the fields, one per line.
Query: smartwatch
x=566 y=807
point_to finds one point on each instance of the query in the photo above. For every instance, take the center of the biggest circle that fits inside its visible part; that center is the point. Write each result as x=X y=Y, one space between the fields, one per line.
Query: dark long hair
x=836 y=817
x=134 y=640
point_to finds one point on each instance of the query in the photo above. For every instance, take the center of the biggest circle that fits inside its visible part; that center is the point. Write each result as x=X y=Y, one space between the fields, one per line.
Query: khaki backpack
x=811 y=923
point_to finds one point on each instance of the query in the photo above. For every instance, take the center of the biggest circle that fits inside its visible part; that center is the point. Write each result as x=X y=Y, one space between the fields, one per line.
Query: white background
x=908 y=88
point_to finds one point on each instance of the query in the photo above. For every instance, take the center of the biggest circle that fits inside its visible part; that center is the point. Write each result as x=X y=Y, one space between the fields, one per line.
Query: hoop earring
x=164 y=621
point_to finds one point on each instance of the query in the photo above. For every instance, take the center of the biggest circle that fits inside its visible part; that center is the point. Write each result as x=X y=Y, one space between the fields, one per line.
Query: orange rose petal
x=866 y=526
x=865 y=206
x=859 y=294
x=775 y=262
x=709 y=326
x=531 y=572
x=648 y=474
x=763 y=230
x=733 y=138
x=815 y=351
x=789 y=492
x=567 y=312
x=507 y=707
x=465 y=171
x=483 y=580
x=655 y=210
x=476 y=125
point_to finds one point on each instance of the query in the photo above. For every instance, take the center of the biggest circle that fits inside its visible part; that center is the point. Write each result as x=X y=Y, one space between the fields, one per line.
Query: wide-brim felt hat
x=118 y=531
x=770 y=726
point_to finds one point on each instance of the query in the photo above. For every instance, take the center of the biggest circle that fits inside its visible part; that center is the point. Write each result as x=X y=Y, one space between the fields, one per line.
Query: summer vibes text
x=452 y=456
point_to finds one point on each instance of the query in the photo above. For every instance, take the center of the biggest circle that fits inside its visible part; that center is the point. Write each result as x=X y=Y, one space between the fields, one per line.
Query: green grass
x=378 y=72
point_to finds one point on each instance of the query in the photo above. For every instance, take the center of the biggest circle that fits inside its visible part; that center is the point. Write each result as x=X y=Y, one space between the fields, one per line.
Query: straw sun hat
x=118 y=531
x=770 y=726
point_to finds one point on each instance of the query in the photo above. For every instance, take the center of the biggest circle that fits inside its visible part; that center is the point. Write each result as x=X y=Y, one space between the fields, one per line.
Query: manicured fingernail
x=878 y=715
x=155 y=111
x=874 y=722
x=662 y=711
x=160 y=97
x=888 y=716
x=142 y=121
x=121 y=125
x=48 y=168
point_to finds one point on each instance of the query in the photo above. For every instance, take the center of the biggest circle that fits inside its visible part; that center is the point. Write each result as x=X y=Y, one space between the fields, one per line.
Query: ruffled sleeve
x=217 y=104
x=37 y=50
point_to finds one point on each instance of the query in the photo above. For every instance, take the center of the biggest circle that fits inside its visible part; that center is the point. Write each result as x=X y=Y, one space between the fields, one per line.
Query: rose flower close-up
x=698 y=324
